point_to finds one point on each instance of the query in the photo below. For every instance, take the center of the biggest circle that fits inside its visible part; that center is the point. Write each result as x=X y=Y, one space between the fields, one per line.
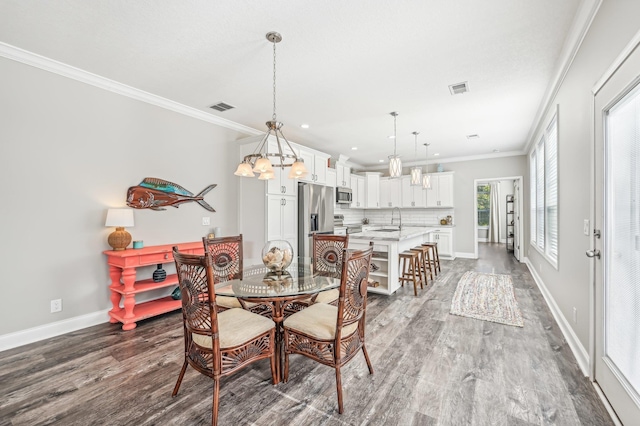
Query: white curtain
x=494 y=212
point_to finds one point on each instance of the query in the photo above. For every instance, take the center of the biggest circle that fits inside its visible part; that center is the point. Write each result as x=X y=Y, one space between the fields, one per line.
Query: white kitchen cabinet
x=358 y=192
x=372 y=190
x=412 y=196
x=316 y=165
x=282 y=223
x=343 y=175
x=331 y=178
x=444 y=238
x=441 y=192
x=390 y=192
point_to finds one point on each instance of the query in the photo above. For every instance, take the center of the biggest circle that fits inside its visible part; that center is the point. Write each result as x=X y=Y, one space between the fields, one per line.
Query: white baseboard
x=483 y=240
x=35 y=334
x=581 y=354
x=466 y=255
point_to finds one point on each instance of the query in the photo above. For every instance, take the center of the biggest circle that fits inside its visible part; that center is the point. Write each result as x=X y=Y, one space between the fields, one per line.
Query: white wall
x=69 y=151
x=613 y=27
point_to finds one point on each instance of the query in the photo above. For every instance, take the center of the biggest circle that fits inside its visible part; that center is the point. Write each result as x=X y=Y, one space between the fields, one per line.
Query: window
x=543 y=178
x=483 y=192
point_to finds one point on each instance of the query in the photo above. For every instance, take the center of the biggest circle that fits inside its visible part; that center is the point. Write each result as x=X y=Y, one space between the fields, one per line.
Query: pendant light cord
x=395 y=137
x=273 y=117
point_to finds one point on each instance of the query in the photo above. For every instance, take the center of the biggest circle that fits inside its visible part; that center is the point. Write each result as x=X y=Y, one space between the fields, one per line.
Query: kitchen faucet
x=399 y=214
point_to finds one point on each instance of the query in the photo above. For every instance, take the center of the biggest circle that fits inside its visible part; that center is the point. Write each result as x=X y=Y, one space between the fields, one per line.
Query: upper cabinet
x=441 y=192
x=316 y=164
x=389 y=192
x=343 y=175
x=331 y=178
x=358 y=192
x=372 y=190
x=412 y=196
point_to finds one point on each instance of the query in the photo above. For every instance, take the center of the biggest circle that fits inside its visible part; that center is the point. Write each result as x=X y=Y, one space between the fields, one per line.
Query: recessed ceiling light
x=354 y=148
x=304 y=126
x=392 y=137
x=380 y=161
x=496 y=150
x=436 y=154
x=474 y=136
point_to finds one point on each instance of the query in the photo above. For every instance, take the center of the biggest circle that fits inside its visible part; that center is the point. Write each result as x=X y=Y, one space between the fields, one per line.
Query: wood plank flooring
x=431 y=368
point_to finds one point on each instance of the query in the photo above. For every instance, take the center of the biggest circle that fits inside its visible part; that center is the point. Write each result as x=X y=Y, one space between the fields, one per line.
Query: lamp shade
x=119 y=218
x=426 y=181
x=416 y=176
x=395 y=166
x=298 y=170
x=244 y=169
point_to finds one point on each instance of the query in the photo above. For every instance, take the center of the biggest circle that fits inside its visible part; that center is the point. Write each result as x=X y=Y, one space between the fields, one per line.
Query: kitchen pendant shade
x=395 y=166
x=416 y=176
x=263 y=165
x=426 y=181
x=267 y=175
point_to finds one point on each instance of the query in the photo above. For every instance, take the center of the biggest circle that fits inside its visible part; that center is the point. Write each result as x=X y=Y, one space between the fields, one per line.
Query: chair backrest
x=226 y=257
x=199 y=313
x=327 y=253
x=352 y=301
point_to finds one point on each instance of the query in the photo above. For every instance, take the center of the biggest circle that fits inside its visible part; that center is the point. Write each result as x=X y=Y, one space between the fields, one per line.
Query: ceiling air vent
x=474 y=136
x=459 y=88
x=221 y=106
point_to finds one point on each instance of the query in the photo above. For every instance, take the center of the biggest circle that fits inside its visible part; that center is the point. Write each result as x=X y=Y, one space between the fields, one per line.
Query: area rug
x=487 y=297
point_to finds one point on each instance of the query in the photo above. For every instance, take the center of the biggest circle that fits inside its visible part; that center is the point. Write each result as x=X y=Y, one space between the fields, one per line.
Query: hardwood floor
x=431 y=368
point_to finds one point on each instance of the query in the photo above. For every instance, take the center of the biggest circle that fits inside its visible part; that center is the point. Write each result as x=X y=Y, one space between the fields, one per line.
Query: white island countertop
x=395 y=235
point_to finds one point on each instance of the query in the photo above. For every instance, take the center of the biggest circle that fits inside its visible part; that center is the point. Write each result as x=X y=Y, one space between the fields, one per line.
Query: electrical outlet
x=206 y=221
x=575 y=315
x=56 y=305
x=586 y=227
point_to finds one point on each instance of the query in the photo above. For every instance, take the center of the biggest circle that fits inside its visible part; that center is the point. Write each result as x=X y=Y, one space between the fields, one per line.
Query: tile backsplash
x=383 y=216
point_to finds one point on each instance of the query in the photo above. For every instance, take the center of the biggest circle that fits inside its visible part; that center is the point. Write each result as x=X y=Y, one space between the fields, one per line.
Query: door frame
x=593 y=321
x=519 y=180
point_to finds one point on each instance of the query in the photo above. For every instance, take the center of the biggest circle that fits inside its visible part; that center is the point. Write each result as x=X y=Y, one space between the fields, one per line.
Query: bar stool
x=435 y=258
x=410 y=267
x=425 y=262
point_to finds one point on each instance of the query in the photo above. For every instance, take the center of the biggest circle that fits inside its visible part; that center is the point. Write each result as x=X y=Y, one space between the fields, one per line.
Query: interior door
x=616 y=253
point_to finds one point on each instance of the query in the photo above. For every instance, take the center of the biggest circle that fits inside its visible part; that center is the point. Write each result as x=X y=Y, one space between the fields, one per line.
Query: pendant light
x=261 y=161
x=395 y=164
x=426 y=177
x=416 y=171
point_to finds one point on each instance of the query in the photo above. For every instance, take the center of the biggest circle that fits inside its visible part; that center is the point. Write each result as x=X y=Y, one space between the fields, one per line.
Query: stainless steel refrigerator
x=315 y=214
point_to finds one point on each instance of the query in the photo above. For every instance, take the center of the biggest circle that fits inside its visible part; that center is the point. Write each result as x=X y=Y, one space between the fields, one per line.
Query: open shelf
x=147 y=309
x=148 y=284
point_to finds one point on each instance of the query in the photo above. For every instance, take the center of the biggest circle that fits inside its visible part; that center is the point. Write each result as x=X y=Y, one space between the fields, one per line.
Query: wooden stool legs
x=435 y=257
x=409 y=269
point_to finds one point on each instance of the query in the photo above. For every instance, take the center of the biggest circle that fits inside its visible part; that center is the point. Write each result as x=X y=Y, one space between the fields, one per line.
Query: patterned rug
x=487 y=297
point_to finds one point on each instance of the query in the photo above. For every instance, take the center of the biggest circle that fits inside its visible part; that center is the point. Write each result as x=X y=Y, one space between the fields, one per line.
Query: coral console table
x=122 y=269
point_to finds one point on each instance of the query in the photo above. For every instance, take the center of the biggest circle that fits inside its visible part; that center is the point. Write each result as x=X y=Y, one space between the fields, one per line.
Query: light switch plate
x=206 y=221
x=586 y=227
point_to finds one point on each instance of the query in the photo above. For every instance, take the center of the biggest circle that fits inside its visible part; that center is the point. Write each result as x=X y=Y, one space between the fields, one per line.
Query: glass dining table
x=279 y=291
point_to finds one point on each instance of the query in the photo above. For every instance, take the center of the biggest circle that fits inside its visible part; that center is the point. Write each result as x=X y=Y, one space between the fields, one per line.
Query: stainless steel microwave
x=343 y=195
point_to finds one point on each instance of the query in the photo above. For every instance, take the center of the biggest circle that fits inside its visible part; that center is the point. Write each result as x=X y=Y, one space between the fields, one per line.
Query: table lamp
x=120 y=218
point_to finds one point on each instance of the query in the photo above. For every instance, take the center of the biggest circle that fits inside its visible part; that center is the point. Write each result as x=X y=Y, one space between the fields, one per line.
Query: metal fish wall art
x=156 y=194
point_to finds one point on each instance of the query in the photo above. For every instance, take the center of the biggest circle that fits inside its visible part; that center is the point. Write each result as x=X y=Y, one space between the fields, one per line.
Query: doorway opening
x=498 y=213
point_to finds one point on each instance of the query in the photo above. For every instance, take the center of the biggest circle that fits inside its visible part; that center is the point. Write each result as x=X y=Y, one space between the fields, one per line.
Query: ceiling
x=342 y=66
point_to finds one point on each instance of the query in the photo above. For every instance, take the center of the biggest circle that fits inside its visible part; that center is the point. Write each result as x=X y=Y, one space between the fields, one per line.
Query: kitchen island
x=387 y=244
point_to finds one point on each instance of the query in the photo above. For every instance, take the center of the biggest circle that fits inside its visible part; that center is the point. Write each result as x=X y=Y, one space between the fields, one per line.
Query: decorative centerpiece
x=277 y=255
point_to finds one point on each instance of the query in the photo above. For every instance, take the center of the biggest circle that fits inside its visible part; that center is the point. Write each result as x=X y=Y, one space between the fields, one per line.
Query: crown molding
x=29 y=58
x=579 y=28
x=628 y=49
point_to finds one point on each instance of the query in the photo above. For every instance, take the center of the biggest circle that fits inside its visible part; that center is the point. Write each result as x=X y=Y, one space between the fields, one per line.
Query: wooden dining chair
x=333 y=335
x=227 y=257
x=327 y=259
x=216 y=343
